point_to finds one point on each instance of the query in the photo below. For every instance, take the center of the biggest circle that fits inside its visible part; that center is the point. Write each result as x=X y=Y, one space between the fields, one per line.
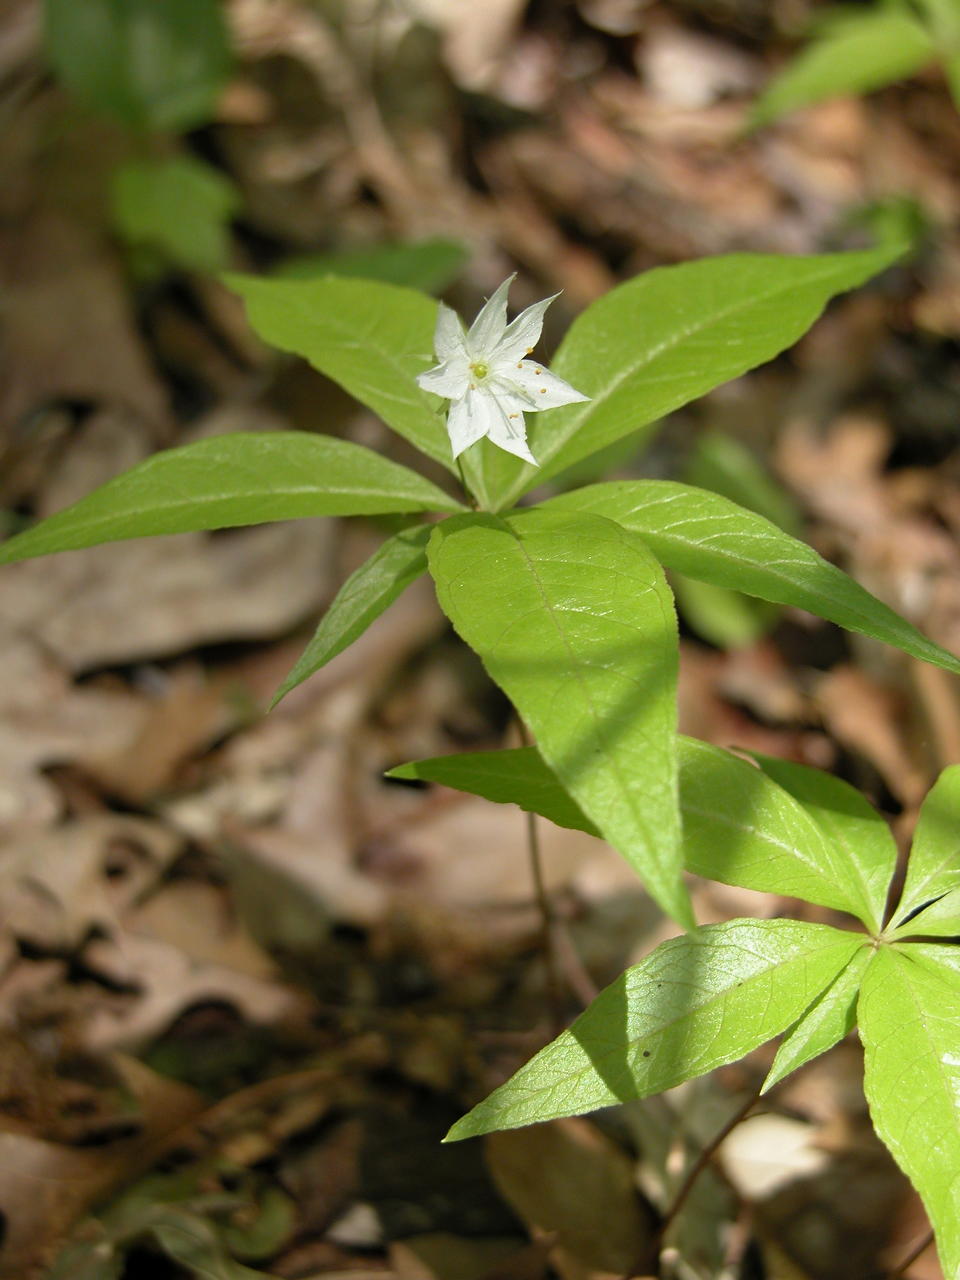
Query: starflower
x=485 y=373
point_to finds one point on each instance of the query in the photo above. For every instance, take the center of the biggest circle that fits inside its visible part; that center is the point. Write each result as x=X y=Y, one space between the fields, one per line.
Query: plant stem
x=466 y=488
x=547 y=922
x=703 y=1159
x=922 y=1245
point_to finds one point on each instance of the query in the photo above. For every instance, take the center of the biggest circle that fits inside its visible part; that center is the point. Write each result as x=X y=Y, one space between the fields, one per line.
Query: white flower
x=485 y=373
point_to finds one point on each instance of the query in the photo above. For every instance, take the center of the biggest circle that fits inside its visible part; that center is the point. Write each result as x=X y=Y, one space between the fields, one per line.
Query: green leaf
x=707 y=537
x=519 y=776
x=943 y=17
x=854 y=56
x=670 y=335
x=766 y=841
x=373 y=339
x=832 y=1016
x=430 y=265
x=574 y=620
x=952 y=69
x=852 y=825
x=697 y=1002
x=933 y=867
x=940 y=920
x=179 y=207
x=909 y=1012
x=154 y=66
x=361 y=600
x=741 y=828
x=246 y=478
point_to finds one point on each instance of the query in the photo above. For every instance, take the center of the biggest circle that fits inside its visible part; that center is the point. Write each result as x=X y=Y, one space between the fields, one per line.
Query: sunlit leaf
x=670 y=335
x=697 y=1002
x=933 y=867
x=224 y=481
x=573 y=619
x=704 y=536
x=361 y=600
x=909 y=1012
x=852 y=825
x=832 y=1016
x=766 y=841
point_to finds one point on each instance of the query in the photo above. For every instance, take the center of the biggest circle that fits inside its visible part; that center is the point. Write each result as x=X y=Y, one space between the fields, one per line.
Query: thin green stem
x=466 y=488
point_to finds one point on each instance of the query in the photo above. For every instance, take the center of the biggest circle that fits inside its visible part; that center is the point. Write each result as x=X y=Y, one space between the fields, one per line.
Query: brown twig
x=703 y=1159
x=547 y=918
x=922 y=1245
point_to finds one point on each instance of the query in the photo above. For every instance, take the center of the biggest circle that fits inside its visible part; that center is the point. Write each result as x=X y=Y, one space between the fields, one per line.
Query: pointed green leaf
x=361 y=600
x=869 y=851
x=519 y=776
x=832 y=1016
x=933 y=867
x=670 y=335
x=225 y=481
x=695 y=1003
x=909 y=1012
x=707 y=537
x=574 y=620
x=940 y=920
x=766 y=841
x=854 y=55
x=371 y=337
x=741 y=828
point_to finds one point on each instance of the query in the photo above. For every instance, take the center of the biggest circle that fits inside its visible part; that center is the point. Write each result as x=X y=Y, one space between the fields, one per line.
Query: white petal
x=488 y=328
x=448 y=336
x=450 y=379
x=508 y=430
x=470 y=419
x=537 y=387
x=521 y=334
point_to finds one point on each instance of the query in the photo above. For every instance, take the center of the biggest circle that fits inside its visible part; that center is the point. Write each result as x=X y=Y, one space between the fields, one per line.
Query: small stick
x=924 y=1243
x=554 y=995
x=701 y=1162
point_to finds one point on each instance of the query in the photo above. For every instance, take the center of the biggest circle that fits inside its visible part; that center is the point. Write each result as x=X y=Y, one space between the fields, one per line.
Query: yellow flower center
x=479 y=369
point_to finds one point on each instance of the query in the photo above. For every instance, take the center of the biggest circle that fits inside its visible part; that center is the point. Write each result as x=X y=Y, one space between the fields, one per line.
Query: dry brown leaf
x=45 y=1188
x=69 y=330
x=59 y=885
x=576 y=1188
x=442 y=1256
x=168 y=982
